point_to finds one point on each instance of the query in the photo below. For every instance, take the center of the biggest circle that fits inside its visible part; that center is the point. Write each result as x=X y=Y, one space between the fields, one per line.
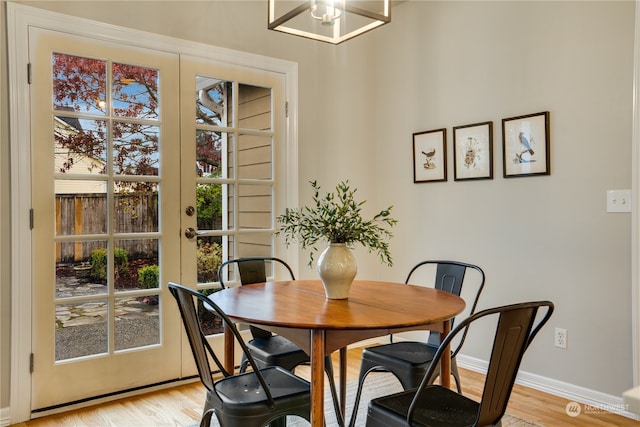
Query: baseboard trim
x=593 y=400
x=4 y=417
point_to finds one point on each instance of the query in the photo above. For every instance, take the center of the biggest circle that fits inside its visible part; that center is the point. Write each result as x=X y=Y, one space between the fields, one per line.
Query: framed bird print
x=473 y=151
x=430 y=156
x=525 y=145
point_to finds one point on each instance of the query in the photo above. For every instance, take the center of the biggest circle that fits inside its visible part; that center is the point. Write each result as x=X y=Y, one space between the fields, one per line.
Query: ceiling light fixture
x=328 y=21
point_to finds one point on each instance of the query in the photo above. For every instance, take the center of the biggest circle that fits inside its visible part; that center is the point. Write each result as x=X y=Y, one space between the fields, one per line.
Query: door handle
x=190 y=233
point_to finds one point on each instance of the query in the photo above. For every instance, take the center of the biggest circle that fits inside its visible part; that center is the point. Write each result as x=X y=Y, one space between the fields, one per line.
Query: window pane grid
x=106 y=143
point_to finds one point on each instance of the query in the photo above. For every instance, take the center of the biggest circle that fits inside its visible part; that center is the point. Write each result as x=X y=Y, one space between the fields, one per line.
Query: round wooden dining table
x=299 y=311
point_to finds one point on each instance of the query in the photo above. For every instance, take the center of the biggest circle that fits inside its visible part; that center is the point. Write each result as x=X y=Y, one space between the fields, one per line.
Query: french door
x=105 y=180
x=147 y=167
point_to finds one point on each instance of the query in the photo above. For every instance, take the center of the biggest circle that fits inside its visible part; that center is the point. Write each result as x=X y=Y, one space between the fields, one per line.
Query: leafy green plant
x=149 y=277
x=208 y=204
x=99 y=261
x=121 y=258
x=337 y=218
x=208 y=259
x=211 y=323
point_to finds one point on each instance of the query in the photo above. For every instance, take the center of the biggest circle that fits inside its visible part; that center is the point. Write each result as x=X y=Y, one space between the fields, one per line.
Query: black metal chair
x=409 y=360
x=266 y=348
x=434 y=405
x=256 y=398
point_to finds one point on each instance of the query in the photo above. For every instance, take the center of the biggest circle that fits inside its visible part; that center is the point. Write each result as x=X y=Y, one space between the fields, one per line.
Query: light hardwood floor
x=182 y=406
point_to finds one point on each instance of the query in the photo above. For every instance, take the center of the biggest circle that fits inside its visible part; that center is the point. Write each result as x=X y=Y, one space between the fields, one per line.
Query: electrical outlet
x=560 y=339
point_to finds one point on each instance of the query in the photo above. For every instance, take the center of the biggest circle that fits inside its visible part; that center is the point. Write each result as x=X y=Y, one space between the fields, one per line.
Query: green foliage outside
x=208 y=260
x=99 y=261
x=211 y=323
x=208 y=204
x=149 y=277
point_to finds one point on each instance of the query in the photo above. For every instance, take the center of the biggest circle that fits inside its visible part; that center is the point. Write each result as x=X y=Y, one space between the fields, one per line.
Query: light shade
x=328 y=21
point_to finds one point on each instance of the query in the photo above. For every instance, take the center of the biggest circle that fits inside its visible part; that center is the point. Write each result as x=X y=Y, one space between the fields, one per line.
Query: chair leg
x=280 y=422
x=328 y=367
x=206 y=418
x=364 y=371
x=454 y=373
x=356 y=402
x=243 y=366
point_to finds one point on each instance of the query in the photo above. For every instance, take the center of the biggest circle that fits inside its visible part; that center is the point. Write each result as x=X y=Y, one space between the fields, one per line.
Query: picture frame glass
x=473 y=152
x=525 y=145
x=429 y=156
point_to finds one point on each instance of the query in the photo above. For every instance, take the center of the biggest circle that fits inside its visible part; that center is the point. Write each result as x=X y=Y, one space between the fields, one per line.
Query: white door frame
x=635 y=211
x=19 y=18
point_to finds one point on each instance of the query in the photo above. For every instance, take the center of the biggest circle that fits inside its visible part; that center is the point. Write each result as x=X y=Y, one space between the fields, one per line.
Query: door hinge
x=29 y=73
x=31 y=219
x=286 y=109
x=31 y=363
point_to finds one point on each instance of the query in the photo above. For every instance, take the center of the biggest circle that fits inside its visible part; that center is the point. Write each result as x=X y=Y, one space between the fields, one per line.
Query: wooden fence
x=84 y=214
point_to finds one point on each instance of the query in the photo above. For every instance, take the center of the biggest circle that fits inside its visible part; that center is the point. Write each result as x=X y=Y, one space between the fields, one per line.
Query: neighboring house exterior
x=79 y=165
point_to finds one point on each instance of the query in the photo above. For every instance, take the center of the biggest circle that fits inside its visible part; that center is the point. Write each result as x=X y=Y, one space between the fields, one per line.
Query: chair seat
x=407 y=360
x=438 y=407
x=403 y=353
x=242 y=401
x=245 y=388
x=277 y=350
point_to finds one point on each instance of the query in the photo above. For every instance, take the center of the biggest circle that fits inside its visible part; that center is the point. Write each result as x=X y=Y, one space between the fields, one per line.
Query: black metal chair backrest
x=450 y=277
x=514 y=333
x=198 y=340
x=252 y=270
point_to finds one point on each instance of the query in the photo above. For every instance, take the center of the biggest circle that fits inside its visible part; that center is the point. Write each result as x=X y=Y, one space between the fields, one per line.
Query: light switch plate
x=619 y=201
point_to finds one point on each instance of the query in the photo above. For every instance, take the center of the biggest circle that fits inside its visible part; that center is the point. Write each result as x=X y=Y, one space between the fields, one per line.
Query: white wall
x=459 y=63
x=443 y=64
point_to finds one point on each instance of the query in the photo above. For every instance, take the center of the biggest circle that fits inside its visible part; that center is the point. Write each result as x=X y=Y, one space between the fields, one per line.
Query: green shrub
x=208 y=205
x=121 y=257
x=149 y=277
x=211 y=323
x=99 y=264
x=99 y=261
x=208 y=260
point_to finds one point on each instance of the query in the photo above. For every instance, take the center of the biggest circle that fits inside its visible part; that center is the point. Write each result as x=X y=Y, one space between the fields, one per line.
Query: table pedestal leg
x=317 y=377
x=229 y=359
x=343 y=381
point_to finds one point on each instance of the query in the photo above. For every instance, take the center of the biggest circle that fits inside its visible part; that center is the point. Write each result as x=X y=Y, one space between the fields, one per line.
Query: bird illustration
x=428 y=164
x=525 y=143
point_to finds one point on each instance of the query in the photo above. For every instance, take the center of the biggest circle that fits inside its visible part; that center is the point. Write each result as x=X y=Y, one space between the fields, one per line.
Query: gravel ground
x=81 y=328
x=87 y=339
